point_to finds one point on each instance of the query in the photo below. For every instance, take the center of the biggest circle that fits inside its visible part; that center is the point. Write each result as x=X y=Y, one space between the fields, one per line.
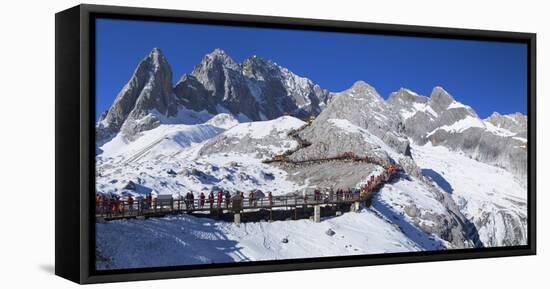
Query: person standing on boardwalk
x=250 y=198
x=363 y=195
x=97 y=201
x=203 y=197
x=227 y=199
x=192 y=200
x=130 y=203
x=186 y=201
x=220 y=198
x=211 y=199
x=270 y=198
x=241 y=198
x=116 y=205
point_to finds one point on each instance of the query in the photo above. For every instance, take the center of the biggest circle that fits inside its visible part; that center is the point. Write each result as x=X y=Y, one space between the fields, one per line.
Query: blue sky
x=489 y=76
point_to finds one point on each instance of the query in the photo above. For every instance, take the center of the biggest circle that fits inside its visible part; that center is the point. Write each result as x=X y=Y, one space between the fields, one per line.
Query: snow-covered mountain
x=515 y=122
x=463 y=186
x=441 y=120
x=488 y=196
x=257 y=89
x=362 y=106
x=147 y=96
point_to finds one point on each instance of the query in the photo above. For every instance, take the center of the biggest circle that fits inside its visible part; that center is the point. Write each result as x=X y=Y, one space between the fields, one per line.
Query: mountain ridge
x=256 y=89
x=259 y=89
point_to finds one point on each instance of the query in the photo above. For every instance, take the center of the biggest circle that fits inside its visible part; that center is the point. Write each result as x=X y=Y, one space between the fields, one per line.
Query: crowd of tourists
x=224 y=199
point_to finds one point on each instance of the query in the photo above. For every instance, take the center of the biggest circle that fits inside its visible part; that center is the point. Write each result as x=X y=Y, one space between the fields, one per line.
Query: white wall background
x=27 y=143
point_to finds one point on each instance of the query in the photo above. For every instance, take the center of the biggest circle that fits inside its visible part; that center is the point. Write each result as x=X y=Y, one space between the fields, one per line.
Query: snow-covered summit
x=149 y=88
x=442 y=120
x=362 y=106
x=515 y=122
x=257 y=89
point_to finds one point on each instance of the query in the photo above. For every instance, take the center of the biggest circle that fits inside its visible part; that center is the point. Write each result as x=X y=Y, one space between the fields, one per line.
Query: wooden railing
x=120 y=209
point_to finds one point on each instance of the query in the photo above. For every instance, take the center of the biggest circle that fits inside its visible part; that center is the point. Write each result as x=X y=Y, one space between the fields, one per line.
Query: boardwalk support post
x=237 y=219
x=355 y=206
x=317 y=213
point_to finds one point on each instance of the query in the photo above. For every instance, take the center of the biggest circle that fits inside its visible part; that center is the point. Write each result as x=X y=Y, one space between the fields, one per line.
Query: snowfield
x=191 y=240
x=148 y=161
x=461 y=125
x=261 y=129
x=406 y=215
x=487 y=195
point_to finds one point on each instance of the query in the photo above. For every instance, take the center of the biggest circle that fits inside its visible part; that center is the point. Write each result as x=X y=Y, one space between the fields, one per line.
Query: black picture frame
x=75 y=142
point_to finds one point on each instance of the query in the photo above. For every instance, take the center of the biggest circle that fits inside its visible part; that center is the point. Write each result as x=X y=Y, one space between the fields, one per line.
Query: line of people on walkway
x=221 y=199
x=112 y=204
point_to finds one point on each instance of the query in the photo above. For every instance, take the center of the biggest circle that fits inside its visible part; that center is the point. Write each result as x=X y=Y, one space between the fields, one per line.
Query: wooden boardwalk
x=142 y=208
x=123 y=210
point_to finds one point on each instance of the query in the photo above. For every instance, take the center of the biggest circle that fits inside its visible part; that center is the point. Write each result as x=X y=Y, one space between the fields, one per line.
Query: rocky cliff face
x=149 y=88
x=362 y=106
x=257 y=89
x=421 y=115
x=515 y=122
x=441 y=120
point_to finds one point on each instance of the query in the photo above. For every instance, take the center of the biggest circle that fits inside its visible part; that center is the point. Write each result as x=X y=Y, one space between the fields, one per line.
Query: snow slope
x=164 y=140
x=261 y=129
x=166 y=160
x=378 y=145
x=406 y=215
x=461 y=125
x=191 y=240
x=487 y=195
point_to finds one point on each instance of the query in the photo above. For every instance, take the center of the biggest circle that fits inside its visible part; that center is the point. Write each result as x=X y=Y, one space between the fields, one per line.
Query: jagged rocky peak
x=258 y=88
x=258 y=64
x=361 y=88
x=220 y=55
x=213 y=72
x=405 y=95
x=442 y=120
x=358 y=102
x=514 y=122
x=193 y=95
x=215 y=60
x=518 y=116
x=157 y=92
x=148 y=90
x=362 y=106
x=157 y=58
x=440 y=99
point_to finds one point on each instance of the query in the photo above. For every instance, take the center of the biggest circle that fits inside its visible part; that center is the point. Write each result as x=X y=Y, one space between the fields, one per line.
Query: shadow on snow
x=170 y=241
x=424 y=241
x=438 y=179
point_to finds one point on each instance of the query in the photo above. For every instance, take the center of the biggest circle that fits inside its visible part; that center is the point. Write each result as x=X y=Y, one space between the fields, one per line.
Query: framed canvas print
x=193 y=144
